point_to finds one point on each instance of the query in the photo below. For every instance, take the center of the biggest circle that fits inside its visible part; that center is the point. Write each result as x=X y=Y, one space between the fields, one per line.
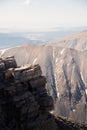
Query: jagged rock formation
x=24 y=102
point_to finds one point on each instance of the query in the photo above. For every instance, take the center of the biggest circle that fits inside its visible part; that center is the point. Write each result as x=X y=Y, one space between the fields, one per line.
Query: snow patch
x=82 y=78
x=34 y=61
x=58 y=94
x=62 y=51
x=53 y=53
x=73 y=110
x=56 y=60
x=3 y=51
x=56 y=86
x=86 y=91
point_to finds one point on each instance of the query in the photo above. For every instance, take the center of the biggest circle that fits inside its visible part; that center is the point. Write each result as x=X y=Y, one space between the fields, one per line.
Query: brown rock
x=10 y=62
x=38 y=83
x=46 y=103
x=9 y=73
x=23 y=98
x=27 y=72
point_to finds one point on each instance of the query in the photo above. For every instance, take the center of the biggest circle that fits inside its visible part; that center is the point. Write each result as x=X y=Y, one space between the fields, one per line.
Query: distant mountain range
x=8 y=40
x=12 y=39
x=63 y=62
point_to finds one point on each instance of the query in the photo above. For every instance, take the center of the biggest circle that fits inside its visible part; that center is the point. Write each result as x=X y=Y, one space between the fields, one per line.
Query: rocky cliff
x=24 y=102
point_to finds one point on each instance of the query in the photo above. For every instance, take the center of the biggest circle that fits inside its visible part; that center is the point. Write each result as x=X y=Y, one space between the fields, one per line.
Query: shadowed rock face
x=66 y=73
x=24 y=102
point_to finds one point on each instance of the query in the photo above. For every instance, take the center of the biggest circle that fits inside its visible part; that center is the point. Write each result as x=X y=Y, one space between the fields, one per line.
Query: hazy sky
x=42 y=14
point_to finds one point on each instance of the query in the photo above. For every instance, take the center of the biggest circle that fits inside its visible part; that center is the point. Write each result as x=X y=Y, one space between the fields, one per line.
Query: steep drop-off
x=24 y=102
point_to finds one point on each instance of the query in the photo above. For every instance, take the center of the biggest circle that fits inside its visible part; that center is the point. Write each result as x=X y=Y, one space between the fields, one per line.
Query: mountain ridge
x=76 y=41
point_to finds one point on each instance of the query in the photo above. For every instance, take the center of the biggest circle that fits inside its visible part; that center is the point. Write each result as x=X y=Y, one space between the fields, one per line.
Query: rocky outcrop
x=24 y=102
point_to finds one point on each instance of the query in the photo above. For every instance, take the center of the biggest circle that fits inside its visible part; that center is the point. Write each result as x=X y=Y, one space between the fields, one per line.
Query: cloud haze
x=26 y=2
x=42 y=14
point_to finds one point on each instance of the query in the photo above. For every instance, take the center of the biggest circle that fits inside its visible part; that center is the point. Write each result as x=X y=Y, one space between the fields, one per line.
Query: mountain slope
x=76 y=41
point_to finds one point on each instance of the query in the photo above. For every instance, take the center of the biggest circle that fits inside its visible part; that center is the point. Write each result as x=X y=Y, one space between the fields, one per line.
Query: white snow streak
x=86 y=91
x=58 y=94
x=62 y=51
x=34 y=61
x=56 y=60
x=3 y=51
x=82 y=78
x=83 y=81
x=53 y=53
x=56 y=86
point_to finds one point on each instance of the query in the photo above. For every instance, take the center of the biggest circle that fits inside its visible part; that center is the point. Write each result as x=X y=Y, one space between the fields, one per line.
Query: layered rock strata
x=24 y=102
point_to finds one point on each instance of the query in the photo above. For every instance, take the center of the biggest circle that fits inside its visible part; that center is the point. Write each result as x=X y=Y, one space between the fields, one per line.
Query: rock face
x=24 y=102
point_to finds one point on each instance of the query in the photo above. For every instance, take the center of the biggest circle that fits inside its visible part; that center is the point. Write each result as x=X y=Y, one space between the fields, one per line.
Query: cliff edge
x=24 y=102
